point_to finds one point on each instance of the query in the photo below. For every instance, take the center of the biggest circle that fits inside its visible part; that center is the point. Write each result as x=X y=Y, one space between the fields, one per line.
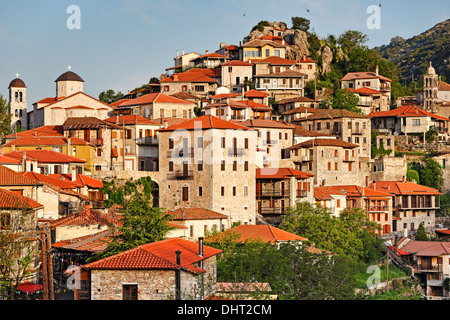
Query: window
x=128 y=134
x=329 y=166
x=223 y=142
x=234 y=165
x=416 y=122
x=130 y=292
x=200 y=165
x=245 y=191
x=246 y=166
x=171 y=143
x=267 y=52
x=222 y=191
x=246 y=143
x=234 y=191
x=222 y=165
x=200 y=191
x=349 y=166
x=170 y=165
x=200 y=142
x=199 y=88
x=277 y=53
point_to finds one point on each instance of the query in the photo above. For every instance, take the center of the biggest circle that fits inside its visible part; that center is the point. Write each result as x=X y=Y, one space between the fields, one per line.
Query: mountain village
x=228 y=141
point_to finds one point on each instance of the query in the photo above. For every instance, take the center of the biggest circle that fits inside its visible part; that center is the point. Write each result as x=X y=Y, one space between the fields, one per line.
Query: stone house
x=259 y=49
x=370 y=100
x=412 y=204
x=257 y=96
x=281 y=85
x=272 y=64
x=235 y=75
x=201 y=82
x=306 y=66
x=208 y=60
x=234 y=109
x=410 y=121
x=231 y=52
x=174 y=268
x=371 y=80
x=183 y=61
x=294 y=105
x=331 y=198
x=141 y=139
x=157 y=105
x=279 y=188
x=208 y=162
x=198 y=222
x=106 y=138
x=274 y=140
x=331 y=161
x=377 y=204
x=429 y=260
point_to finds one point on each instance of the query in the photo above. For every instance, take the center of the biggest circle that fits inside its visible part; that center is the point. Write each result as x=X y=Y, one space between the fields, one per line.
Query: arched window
x=16 y=97
x=20 y=96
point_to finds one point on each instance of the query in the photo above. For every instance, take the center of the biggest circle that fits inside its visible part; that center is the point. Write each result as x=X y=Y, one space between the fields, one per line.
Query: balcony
x=181 y=175
x=268 y=210
x=180 y=153
x=429 y=268
x=236 y=117
x=272 y=193
x=377 y=208
x=236 y=152
x=302 y=193
x=147 y=141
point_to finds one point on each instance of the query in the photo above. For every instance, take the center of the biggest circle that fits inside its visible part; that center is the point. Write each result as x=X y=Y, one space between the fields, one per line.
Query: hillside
x=415 y=54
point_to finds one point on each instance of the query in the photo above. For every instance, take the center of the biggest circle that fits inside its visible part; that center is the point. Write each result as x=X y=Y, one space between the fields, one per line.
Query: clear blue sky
x=123 y=43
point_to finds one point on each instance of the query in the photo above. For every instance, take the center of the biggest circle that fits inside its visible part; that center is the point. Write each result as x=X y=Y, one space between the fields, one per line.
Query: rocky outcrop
x=298 y=41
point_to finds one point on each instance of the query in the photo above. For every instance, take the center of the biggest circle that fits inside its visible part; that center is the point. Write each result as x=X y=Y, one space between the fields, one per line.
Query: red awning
x=29 y=288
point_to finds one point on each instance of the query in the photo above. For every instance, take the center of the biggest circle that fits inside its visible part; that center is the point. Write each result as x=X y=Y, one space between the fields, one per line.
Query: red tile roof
x=238 y=63
x=403 y=187
x=406 y=111
x=253 y=93
x=363 y=75
x=357 y=191
x=130 y=119
x=443 y=86
x=11 y=200
x=276 y=61
x=62 y=184
x=81 y=180
x=8 y=160
x=46 y=131
x=82 y=219
x=56 y=100
x=324 y=142
x=326 y=192
x=265 y=123
x=152 y=98
x=158 y=255
x=9 y=177
x=192 y=75
x=44 y=156
x=46 y=141
x=91 y=243
x=300 y=132
x=195 y=214
x=256 y=43
x=205 y=122
x=280 y=173
x=364 y=91
x=265 y=233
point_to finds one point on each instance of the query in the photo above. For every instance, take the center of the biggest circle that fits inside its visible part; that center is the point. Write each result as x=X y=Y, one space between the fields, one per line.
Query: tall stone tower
x=18 y=103
x=430 y=90
x=68 y=83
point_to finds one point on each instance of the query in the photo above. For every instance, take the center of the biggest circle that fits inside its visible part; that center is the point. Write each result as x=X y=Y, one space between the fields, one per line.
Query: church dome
x=431 y=70
x=17 y=83
x=69 y=76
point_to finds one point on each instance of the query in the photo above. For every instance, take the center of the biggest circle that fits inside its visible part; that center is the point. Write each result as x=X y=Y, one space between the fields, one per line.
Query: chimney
x=376 y=70
x=88 y=210
x=177 y=53
x=206 y=51
x=74 y=174
x=162 y=76
x=175 y=77
x=24 y=162
x=183 y=51
x=178 y=277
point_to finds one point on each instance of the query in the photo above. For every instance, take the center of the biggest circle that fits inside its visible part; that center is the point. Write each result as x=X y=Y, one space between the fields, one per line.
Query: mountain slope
x=412 y=56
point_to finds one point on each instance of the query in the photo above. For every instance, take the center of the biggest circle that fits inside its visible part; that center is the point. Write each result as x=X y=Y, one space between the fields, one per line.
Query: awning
x=29 y=288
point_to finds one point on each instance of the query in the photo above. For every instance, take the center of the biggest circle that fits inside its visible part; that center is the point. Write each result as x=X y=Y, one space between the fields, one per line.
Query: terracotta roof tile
x=130 y=119
x=324 y=142
x=44 y=156
x=403 y=187
x=9 y=177
x=276 y=61
x=157 y=255
x=152 y=98
x=406 y=111
x=195 y=214
x=265 y=233
x=280 y=173
x=11 y=200
x=46 y=141
x=205 y=122
x=363 y=75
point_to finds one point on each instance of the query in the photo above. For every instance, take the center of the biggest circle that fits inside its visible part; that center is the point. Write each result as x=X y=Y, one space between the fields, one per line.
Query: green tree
x=421 y=234
x=300 y=23
x=5 y=119
x=110 y=96
x=412 y=175
x=342 y=99
x=351 y=39
x=431 y=135
x=350 y=234
x=430 y=173
x=141 y=224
